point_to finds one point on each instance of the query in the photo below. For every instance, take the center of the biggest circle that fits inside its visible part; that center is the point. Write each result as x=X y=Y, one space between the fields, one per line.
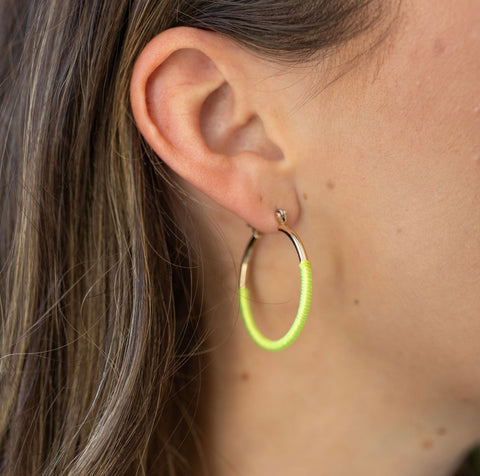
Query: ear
x=205 y=106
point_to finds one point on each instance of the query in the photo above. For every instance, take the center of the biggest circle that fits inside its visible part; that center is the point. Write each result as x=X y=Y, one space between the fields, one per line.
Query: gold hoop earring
x=305 y=294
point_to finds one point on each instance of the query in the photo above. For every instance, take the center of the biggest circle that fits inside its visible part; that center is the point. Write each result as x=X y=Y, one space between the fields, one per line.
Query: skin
x=380 y=175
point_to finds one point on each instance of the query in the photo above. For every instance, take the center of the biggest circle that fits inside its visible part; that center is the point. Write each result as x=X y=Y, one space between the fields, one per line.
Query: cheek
x=408 y=194
x=402 y=146
x=417 y=214
x=421 y=257
x=418 y=206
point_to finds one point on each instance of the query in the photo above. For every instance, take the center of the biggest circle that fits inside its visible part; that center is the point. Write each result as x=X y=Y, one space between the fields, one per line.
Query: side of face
x=379 y=172
x=395 y=147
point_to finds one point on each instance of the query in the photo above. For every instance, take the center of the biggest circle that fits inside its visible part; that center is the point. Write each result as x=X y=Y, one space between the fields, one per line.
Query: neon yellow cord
x=298 y=323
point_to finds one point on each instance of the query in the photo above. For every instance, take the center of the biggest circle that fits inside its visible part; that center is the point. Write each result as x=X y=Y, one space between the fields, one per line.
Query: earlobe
x=194 y=105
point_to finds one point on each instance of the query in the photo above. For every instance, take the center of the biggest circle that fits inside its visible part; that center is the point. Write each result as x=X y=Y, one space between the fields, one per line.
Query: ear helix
x=305 y=294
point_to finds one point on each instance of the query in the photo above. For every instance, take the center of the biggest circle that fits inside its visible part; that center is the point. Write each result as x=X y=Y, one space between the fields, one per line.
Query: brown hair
x=99 y=307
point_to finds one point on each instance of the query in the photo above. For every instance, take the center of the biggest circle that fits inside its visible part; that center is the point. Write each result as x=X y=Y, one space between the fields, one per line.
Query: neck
x=282 y=414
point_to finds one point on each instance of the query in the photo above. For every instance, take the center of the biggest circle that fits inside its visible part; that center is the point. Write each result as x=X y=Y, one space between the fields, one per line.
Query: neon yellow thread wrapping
x=298 y=323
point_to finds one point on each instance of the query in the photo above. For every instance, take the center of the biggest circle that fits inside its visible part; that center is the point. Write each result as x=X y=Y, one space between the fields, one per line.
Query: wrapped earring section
x=305 y=294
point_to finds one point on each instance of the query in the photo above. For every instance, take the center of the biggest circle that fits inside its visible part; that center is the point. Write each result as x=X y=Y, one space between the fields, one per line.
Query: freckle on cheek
x=330 y=184
x=305 y=196
x=439 y=46
x=427 y=444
